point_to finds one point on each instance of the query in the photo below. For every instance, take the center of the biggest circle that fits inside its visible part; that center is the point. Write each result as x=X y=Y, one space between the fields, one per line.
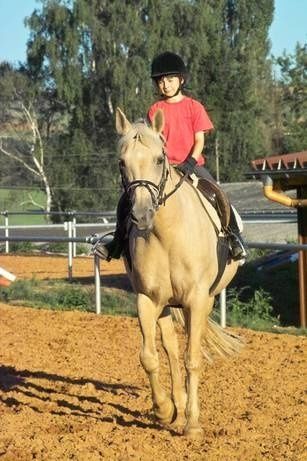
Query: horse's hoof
x=179 y=422
x=194 y=433
x=165 y=412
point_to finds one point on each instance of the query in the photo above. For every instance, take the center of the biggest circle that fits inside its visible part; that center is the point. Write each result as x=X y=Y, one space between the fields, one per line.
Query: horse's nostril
x=142 y=217
x=133 y=217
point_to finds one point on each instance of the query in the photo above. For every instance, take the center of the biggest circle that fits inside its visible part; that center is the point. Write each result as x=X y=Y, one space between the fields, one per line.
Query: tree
x=291 y=102
x=95 y=56
x=237 y=83
x=89 y=56
x=21 y=141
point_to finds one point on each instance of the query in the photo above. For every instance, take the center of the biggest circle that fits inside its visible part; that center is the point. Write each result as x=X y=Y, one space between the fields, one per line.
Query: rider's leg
x=114 y=248
x=237 y=245
x=235 y=238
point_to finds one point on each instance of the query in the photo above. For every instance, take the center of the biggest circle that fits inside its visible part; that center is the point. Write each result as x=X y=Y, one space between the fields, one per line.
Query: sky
x=289 y=27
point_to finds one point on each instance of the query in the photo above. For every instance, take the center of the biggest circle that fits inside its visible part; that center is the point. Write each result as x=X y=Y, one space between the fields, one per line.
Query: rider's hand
x=188 y=166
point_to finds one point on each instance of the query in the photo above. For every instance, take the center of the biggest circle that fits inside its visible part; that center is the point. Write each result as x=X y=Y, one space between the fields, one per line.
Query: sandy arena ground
x=72 y=388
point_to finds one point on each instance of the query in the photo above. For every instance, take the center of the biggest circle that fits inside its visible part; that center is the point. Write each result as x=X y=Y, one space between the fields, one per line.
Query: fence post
x=97 y=284
x=6 y=223
x=74 y=234
x=69 y=228
x=223 y=308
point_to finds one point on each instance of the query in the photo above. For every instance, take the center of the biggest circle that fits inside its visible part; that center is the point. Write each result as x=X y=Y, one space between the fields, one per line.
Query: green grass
x=61 y=295
x=18 y=200
x=32 y=248
x=279 y=285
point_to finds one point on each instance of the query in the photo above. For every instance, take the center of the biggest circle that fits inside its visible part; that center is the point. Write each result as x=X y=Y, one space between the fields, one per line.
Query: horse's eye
x=121 y=163
x=160 y=160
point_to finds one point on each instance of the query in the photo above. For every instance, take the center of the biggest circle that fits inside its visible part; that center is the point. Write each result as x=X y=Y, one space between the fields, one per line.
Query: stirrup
x=237 y=248
x=100 y=248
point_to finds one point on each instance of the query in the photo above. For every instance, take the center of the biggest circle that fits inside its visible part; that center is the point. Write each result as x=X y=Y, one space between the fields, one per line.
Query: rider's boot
x=109 y=250
x=113 y=249
x=237 y=246
x=227 y=217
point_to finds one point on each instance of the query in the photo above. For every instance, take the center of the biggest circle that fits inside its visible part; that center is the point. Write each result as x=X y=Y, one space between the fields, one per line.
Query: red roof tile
x=294 y=161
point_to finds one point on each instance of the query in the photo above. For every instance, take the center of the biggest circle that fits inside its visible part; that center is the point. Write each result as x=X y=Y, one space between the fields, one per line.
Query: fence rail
x=70 y=226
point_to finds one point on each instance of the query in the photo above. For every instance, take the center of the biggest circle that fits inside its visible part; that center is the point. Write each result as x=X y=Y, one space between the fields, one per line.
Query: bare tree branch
x=32 y=202
x=36 y=150
x=18 y=159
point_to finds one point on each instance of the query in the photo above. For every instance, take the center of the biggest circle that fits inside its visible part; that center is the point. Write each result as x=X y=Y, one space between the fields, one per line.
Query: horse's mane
x=142 y=133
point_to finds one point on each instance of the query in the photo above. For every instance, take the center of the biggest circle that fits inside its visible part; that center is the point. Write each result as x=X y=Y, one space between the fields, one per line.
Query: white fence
x=70 y=228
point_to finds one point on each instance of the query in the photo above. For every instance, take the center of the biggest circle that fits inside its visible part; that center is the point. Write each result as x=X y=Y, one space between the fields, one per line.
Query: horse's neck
x=185 y=205
x=176 y=204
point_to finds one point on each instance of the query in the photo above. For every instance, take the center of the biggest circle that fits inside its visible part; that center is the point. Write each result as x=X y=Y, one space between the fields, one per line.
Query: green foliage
x=98 y=59
x=280 y=284
x=74 y=298
x=236 y=80
x=66 y=296
x=55 y=247
x=82 y=177
x=257 y=313
x=21 y=247
x=291 y=103
x=20 y=289
x=85 y=58
x=62 y=247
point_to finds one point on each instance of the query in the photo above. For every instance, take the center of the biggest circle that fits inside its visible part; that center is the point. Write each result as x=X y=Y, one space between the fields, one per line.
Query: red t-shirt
x=182 y=120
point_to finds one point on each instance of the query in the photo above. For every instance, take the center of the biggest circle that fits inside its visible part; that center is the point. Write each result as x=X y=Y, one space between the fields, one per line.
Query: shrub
x=257 y=313
x=280 y=283
x=62 y=247
x=22 y=247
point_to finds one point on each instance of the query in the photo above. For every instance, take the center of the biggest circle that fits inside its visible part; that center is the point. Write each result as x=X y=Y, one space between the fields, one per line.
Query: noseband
x=156 y=191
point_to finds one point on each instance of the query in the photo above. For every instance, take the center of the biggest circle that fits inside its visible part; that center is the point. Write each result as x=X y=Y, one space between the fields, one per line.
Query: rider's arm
x=199 y=142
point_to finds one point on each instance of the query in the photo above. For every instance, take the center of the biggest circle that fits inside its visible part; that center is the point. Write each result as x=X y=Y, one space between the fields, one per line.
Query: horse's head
x=143 y=165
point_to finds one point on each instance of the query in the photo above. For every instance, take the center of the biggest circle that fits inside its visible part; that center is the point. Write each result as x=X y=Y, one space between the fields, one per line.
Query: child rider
x=185 y=124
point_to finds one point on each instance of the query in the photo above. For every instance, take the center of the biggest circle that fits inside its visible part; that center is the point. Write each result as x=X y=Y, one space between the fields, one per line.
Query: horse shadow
x=120 y=281
x=21 y=383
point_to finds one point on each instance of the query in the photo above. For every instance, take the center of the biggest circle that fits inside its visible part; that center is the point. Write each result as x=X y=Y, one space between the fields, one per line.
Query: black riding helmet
x=167 y=64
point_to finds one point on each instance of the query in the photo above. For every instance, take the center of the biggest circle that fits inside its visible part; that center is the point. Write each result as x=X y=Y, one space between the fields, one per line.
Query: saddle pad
x=211 y=210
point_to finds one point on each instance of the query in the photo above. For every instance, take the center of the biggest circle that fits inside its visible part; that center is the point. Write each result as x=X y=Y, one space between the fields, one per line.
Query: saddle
x=215 y=196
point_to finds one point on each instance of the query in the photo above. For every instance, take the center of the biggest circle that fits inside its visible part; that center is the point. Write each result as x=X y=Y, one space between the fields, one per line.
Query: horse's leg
x=199 y=310
x=148 y=314
x=170 y=344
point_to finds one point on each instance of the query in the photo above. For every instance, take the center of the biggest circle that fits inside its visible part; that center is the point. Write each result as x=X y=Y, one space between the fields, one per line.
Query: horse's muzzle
x=142 y=218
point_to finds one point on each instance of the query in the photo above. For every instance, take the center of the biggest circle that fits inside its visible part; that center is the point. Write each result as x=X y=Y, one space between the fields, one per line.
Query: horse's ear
x=158 y=121
x=122 y=123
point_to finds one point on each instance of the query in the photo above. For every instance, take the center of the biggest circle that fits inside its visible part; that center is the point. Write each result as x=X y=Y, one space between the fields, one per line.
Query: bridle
x=156 y=191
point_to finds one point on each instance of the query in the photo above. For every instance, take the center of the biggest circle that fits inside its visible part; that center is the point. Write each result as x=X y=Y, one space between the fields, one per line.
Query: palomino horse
x=173 y=262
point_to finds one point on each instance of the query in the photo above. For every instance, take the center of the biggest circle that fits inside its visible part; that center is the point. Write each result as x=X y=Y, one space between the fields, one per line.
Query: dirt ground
x=72 y=388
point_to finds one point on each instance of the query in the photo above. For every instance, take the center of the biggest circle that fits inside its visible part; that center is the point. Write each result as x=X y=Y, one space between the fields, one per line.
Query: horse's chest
x=151 y=272
x=159 y=275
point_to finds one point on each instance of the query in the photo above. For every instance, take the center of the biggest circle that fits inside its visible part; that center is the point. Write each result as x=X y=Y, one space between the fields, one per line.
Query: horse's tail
x=217 y=341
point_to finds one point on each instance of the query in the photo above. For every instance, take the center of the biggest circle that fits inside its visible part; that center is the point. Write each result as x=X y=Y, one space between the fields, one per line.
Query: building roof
x=289 y=169
x=296 y=161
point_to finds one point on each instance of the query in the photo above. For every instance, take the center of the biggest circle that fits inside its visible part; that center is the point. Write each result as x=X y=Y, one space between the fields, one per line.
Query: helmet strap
x=180 y=87
x=177 y=92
